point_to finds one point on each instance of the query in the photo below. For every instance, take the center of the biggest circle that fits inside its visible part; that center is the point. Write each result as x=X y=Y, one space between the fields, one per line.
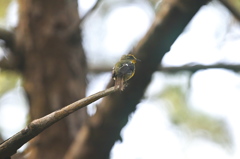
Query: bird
x=124 y=70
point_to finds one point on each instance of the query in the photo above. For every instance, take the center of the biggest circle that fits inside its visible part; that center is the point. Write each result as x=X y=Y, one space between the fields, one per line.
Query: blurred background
x=185 y=113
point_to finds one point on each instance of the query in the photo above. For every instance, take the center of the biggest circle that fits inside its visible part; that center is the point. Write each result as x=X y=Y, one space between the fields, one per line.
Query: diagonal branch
x=90 y=11
x=6 y=64
x=104 y=127
x=10 y=146
x=9 y=63
x=231 y=8
x=71 y=30
x=13 y=59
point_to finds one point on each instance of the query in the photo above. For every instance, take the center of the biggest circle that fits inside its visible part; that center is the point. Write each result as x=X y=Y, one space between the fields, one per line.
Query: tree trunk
x=54 y=70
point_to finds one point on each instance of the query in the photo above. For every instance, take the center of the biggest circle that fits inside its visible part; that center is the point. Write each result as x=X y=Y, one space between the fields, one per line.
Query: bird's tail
x=119 y=83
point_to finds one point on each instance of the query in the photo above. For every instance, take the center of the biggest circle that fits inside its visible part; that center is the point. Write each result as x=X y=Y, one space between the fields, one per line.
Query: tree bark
x=54 y=70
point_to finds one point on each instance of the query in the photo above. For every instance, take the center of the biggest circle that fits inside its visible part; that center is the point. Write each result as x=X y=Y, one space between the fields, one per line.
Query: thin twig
x=10 y=146
x=72 y=29
x=91 y=10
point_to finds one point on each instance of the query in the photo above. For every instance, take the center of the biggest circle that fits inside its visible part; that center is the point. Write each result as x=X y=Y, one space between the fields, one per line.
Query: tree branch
x=98 y=135
x=8 y=63
x=10 y=146
x=71 y=30
x=173 y=69
x=196 y=67
x=8 y=37
x=13 y=59
x=90 y=11
x=231 y=8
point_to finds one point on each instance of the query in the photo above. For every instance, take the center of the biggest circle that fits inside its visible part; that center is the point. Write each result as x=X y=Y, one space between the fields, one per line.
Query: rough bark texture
x=98 y=135
x=54 y=69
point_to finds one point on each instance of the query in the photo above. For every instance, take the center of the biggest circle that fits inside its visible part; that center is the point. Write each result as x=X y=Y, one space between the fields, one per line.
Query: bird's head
x=130 y=57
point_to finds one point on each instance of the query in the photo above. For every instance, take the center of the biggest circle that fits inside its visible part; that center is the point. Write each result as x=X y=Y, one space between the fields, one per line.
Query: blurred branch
x=91 y=10
x=7 y=36
x=196 y=67
x=11 y=62
x=99 y=69
x=71 y=30
x=173 y=69
x=1 y=140
x=104 y=127
x=10 y=146
x=231 y=8
x=6 y=64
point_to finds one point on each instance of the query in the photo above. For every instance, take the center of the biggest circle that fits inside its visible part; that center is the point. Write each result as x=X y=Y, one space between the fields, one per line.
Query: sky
x=149 y=134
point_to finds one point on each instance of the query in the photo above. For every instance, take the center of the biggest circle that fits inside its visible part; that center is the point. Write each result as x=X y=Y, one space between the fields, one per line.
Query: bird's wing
x=126 y=68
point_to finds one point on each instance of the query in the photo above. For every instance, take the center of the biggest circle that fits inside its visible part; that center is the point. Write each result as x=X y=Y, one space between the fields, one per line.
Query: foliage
x=235 y=3
x=8 y=81
x=3 y=7
x=193 y=122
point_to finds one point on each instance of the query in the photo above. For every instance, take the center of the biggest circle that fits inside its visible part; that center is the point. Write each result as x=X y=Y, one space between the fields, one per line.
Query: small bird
x=124 y=70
